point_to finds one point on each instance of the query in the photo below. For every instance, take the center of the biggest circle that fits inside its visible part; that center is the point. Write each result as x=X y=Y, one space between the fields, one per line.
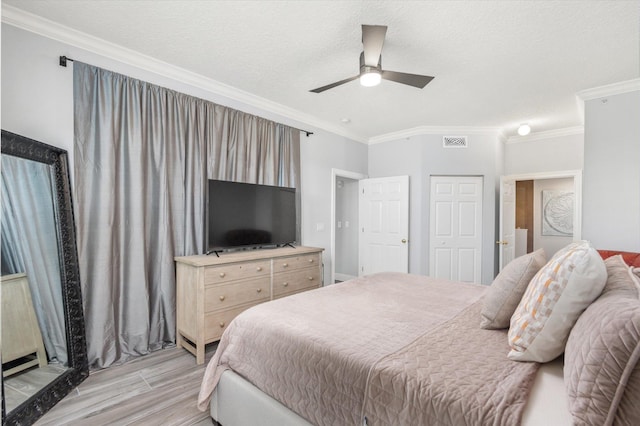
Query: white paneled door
x=455 y=230
x=384 y=225
x=507 y=241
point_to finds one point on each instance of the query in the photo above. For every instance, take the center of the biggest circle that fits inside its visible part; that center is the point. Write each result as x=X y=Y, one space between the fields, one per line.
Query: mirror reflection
x=34 y=347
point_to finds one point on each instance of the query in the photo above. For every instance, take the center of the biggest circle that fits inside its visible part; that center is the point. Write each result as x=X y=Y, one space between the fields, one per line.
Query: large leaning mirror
x=43 y=345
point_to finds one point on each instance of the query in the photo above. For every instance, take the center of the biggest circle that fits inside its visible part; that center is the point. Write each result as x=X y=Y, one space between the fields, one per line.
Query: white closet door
x=455 y=230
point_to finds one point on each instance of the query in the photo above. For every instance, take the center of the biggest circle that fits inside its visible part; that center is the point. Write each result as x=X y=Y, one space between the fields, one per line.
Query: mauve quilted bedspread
x=389 y=348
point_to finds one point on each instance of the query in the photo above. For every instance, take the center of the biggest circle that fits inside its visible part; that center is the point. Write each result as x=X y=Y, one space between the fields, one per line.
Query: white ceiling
x=496 y=63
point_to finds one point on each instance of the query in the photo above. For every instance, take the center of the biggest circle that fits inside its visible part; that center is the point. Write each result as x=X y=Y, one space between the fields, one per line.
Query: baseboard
x=344 y=277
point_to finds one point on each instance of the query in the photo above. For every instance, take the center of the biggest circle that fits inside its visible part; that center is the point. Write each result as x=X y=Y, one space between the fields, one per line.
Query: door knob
x=504 y=243
x=404 y=241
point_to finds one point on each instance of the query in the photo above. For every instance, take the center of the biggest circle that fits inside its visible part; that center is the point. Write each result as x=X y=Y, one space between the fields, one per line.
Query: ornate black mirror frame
x=32 y=409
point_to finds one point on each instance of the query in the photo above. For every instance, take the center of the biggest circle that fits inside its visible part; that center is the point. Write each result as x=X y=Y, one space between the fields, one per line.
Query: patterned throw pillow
x=555 y=298
x=506 y=291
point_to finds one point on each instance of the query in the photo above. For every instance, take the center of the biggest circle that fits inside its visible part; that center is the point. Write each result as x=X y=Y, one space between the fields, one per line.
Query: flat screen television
x=249 y=215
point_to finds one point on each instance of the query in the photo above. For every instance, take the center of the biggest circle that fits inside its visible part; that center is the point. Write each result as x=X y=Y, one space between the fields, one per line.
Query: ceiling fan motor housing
x=365 y=69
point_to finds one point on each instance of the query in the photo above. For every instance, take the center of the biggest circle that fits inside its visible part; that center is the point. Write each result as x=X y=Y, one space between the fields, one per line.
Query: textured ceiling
x=496 y=63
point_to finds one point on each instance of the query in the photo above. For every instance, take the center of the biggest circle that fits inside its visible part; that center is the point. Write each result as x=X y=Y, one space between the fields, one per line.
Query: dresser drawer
x=236 y=271
x=215 y=323
x=226 y=296
x=294 y=281
x=295 y=262
x=211 y=291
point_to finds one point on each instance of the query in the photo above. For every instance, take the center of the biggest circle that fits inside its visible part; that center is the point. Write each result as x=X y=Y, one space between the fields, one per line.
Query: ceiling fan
x=371 y=71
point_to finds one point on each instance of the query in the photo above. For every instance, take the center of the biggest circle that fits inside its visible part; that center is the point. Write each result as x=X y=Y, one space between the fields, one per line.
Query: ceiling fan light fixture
x=524 y=129
x=370 y=78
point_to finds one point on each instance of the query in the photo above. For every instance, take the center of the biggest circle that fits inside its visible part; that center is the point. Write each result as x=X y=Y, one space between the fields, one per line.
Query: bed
x=400 y=349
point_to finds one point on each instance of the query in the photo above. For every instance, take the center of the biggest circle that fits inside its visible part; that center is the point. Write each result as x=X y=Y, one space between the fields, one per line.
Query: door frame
x=335 y=175
x=577 y=189
x=502 y=237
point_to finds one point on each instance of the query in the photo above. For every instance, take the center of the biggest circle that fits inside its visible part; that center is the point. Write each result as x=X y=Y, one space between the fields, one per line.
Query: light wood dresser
x=21 y=336
x=211 y=291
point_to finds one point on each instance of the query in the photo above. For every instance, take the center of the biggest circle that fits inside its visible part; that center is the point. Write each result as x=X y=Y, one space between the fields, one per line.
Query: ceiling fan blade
x=415 y=80
x=332 y=85
x=372 y=41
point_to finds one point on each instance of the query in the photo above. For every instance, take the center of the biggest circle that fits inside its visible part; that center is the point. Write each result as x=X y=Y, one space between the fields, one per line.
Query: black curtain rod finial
x=63 y=61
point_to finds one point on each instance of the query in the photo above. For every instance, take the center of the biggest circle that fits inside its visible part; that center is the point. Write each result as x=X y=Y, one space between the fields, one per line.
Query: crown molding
x=19 y=18
x=609 y=90
x=602 y=91
x=435 y=130
x=549 y=134
x=33 y=23
x=502 y=137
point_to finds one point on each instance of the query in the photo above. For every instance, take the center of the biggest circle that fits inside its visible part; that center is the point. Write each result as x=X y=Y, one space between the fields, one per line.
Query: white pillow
x=555 y=298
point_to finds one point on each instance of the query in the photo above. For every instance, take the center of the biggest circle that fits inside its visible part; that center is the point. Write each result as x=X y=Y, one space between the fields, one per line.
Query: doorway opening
x=547 y=213
x=344 y=225
x=544 y=215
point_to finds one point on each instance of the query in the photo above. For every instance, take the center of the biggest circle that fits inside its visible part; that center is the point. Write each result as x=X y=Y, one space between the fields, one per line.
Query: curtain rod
x=63 y=63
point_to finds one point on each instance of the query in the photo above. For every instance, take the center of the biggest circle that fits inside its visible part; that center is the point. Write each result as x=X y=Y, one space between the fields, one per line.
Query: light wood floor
x=21 y=386
x=157 y=389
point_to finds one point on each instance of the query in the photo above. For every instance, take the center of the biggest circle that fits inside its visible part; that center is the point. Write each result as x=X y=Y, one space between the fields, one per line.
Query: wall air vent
x=455 y=142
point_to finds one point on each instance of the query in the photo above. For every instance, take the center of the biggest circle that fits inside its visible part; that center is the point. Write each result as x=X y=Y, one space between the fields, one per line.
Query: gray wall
x=37 y=94
x=611 y=179
x=423 y=156
x=37 y=102
x=320 y=156
x=544 y=155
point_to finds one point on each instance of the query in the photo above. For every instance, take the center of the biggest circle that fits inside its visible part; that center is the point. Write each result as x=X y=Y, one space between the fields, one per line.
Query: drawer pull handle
x=310 y=260
x=222 y=274
x=259 y=268
x=222 y=324
x=284 y=265
x=286 y=284
x=310 y=278
x=221 y=298
x=259 y=290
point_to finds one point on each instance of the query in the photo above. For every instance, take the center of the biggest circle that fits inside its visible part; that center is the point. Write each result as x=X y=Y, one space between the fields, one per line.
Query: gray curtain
x=30 y=245
x=141 y=169
x=246 y=148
